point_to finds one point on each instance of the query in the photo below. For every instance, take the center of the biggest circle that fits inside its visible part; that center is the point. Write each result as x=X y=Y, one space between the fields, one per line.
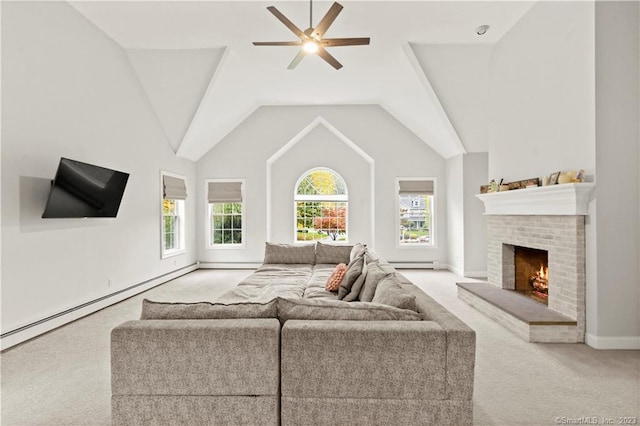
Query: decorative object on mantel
x=553 y=179
x=520 y=184
x=572 y=176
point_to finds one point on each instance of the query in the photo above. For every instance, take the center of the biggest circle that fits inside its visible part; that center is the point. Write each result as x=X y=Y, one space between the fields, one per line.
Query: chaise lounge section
x=283 y=358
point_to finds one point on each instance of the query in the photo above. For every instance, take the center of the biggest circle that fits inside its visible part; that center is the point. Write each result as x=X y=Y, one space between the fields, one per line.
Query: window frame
x=208 y=218
x=333 y=198
x=433 y=229
x=180 y=213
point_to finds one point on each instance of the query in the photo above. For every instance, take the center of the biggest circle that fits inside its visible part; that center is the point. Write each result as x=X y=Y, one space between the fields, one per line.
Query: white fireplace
x=550 y=220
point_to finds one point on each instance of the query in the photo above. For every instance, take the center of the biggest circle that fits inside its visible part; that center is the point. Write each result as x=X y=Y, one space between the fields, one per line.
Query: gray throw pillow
x=332 y=253
x=289 y=253
x=354 y=270
x=205 y=310
x=357 y=251
x=356 y=288
x=322 y=309
x=389 y=292
x=375 y=274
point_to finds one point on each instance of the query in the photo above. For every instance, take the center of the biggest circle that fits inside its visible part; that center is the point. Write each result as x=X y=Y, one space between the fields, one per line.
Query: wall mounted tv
x=84 y=190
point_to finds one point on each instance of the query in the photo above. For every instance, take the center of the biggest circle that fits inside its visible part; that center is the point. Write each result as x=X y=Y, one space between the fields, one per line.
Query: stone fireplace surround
x=544 y=218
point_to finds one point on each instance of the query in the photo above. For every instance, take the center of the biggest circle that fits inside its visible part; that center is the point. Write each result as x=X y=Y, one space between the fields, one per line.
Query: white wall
x=69 y=90
x=542 y=94
x=466 y=224
x=455 y=214
x=564 y=95
x=615 y=321
x=394 y=150
x=475 y=174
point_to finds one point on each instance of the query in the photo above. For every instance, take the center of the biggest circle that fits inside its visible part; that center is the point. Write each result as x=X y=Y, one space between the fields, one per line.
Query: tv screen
x=85 y=190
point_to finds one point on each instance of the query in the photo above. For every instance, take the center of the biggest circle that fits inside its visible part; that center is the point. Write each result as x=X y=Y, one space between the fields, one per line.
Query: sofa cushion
x=357 y=251
x=333 y=283
x=354 y=270
x=289 y=253
x=205 y=310
x=375 y=273
x=356 y=288
x=333 y=253
x=323 y=309
x=389 y=292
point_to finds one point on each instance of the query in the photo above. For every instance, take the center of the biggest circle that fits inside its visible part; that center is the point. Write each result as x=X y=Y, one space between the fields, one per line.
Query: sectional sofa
x=281 y=349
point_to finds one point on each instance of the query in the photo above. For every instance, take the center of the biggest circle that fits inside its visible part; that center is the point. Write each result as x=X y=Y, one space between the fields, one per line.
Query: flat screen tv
x=84 y=190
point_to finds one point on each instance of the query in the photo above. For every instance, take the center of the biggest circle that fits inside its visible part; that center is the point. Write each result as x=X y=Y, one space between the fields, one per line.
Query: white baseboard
x=415 y=265
x=616 y=342
x=475 y=274
x=44 y=325
x=229 y=265
x=455 y=270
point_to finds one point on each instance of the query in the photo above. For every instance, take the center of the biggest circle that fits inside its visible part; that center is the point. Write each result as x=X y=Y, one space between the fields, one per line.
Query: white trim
x=230 y=265
x=207 y=225
x=476 y=274
x=455 y=270
x=416 y=265
x=297 y=138
x=615 y=342
x=52 y=322
x=433 y=229
x=182 y=205
x=564 y=199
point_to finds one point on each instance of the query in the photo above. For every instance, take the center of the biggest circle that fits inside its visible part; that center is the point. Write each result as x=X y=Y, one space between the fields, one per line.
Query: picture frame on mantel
x=553 y=179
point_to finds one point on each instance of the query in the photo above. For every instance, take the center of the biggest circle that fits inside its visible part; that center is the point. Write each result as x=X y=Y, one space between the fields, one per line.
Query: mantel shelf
x=563 y=199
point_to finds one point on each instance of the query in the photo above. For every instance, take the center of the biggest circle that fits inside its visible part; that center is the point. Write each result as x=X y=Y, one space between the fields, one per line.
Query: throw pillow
x=356 y=288
x=333 y=283
x=332 y=253
x=322 y=309
x=357 y=251
x=389 y=292
x=375 y=274
x=289 y=253
x=354 y=270
x=205 y=310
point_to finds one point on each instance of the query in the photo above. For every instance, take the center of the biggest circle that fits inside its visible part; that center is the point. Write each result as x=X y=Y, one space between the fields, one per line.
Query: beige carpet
x=62 y=378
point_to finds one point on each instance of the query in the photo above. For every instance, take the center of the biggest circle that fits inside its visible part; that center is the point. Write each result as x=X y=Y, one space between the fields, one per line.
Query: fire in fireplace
x=532 y=273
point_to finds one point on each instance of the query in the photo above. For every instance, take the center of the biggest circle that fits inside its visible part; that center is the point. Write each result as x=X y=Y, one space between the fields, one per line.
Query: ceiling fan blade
x=296 y=60
x=327 y=57
x=333 y=42
x=297 y=31
x=277 y=43
x=327 y=20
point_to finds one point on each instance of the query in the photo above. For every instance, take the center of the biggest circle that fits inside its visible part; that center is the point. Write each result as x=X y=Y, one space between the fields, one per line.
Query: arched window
x=321 y=203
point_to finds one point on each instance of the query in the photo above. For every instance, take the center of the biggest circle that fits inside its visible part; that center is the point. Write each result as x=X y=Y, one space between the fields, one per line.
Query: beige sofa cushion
x=389 y=292
x=322 y=309
x=375 y=274
x=289 y=253
x=205 y=310
x=332 y=253
x=354 y=270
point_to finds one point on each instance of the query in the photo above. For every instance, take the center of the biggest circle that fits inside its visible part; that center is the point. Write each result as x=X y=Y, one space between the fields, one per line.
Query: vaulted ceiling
x=203 y=76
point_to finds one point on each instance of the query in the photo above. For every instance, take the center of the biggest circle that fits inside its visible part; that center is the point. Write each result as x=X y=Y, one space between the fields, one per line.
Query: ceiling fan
x=311 y=39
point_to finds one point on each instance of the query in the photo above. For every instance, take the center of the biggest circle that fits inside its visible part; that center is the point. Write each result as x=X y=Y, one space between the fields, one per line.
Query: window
x=321 y=204
x=415 y=205
x=174 y=194
x=225 y=213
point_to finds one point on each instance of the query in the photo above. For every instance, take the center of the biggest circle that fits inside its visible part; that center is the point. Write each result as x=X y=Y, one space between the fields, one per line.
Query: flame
x=543 y=273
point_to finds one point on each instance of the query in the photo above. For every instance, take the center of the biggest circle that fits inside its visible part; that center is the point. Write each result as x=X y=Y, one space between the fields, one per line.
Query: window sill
x=226 y=247
x=167 y=254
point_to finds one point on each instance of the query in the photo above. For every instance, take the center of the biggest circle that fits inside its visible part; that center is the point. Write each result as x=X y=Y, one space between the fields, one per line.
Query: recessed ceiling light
x=482 y=29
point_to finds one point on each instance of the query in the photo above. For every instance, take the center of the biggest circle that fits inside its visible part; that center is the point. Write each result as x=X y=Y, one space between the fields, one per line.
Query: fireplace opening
x=532 y=273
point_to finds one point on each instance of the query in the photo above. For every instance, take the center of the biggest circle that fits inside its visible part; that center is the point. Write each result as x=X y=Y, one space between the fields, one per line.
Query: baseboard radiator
x=432 y=264
x=23 y=333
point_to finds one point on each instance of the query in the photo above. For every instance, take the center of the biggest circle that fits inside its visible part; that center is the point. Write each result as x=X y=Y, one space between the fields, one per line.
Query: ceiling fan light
x=310 y=47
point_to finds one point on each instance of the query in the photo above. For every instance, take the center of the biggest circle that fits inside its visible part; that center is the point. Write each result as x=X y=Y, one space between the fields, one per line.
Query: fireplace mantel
x=563 y=199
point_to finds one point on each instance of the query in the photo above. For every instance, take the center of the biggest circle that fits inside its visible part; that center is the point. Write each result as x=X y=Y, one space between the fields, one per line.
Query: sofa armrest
x=363 y=359
x=461 y=344
x=196 y=357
